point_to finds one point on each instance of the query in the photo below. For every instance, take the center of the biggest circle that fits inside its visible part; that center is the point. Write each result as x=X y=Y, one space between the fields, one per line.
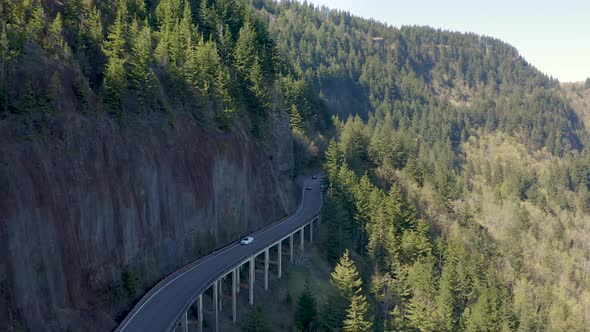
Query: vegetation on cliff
x=458 y=176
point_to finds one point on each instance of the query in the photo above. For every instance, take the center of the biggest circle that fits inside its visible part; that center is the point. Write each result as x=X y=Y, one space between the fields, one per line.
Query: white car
x=247 y=240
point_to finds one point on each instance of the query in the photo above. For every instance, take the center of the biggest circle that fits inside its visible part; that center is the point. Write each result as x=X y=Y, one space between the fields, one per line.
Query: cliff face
x=90 y=198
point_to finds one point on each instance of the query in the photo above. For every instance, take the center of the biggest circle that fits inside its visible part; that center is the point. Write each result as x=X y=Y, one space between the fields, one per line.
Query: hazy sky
x=554 y=36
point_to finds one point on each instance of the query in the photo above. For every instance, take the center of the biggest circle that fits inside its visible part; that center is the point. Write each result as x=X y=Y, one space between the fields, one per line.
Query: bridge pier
x=221 y=294
x=266 y=269
x=200 y=312
x=302 y=238
x=291 y=248
x=231 y=260
x=216 y=304
x=251 y=281
x=279 y=258
x=234 y=291
x=238 y=271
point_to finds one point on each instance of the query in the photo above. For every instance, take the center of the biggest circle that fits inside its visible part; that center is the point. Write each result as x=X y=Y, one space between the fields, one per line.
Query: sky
x=554 y=36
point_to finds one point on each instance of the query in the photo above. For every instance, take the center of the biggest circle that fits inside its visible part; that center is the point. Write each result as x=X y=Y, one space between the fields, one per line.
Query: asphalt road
x=164 y=304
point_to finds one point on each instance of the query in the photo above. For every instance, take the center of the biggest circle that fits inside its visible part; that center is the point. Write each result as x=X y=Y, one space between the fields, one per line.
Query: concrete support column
x=279 y=258
x=238 y=273
x=251 y=281
x=234 y=286
x=266 y=269
x=302 y=238
x=216 y=304
x=184 y=322
x=291 y=248
x=311 y=232
x=221 y=294
x=200 y=312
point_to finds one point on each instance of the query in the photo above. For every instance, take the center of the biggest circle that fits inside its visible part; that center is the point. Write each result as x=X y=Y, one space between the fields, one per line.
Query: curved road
x=164 y=304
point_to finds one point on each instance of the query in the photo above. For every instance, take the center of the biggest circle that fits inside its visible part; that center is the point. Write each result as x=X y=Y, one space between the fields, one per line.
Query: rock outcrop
x=90 y=198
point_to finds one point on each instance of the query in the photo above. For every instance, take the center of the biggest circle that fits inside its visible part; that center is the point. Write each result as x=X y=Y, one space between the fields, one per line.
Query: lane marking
x=211 y=256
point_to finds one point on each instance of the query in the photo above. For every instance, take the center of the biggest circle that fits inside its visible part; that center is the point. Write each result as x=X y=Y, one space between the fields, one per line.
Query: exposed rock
x=91 y=198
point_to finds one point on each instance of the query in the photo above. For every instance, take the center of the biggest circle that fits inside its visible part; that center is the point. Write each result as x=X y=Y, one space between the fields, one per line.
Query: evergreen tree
x=296 y=119
x=446 y=302
x=337 y=223
x=28 y=102
x=141 y=76
x=306 y=312
x=245 y=55
x=347 y=283
x=255 y=320
x=4 y=60
x=356 y=315
x=362 y=194
x=333 y=160
x=36 y=25
x=421 y=309
x=55 y=91
x=345 y=277
x=115 y=81
x=55 y=43
x=94 y=26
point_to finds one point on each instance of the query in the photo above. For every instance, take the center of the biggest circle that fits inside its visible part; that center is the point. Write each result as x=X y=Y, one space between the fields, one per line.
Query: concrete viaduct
x=165 y=307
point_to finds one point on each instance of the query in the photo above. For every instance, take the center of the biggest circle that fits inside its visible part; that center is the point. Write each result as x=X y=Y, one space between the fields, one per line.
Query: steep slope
x=134 y=138
x=418 y=73
x=93 y=205
x=461 y=186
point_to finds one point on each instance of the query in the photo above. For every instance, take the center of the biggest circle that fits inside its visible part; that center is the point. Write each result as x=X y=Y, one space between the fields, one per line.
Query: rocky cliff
x=89 y=199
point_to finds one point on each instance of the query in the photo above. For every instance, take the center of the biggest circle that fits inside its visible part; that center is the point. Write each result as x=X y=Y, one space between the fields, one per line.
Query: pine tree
x=446 y=301
x=258 y=86
x=421 y=306
x=4 y=60
x=362 y=208
x=255 y=321
x=55 y=42
x=206 y=19
x=185 y=34
x=115 y=81
x=306 y=312
x=406 y=212
x=94 y=26
x=89 y=47
x=245 y=55
x=36 y=24
x=347 y=283
x=356 y=315
x=141 y=76
x=337 y=224
x=333 y=160
x=28 y=102
x=483 y=317
x=345 y=277
x=296 y=119
x=55 y=91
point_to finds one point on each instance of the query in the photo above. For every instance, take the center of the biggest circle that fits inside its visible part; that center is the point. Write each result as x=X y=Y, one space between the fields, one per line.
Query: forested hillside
x=214 y=60
x=458 y=178
x=134 y=138
x=139 y=135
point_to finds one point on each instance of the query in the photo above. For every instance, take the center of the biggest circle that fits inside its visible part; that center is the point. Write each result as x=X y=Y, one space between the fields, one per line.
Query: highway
x=164 y=304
